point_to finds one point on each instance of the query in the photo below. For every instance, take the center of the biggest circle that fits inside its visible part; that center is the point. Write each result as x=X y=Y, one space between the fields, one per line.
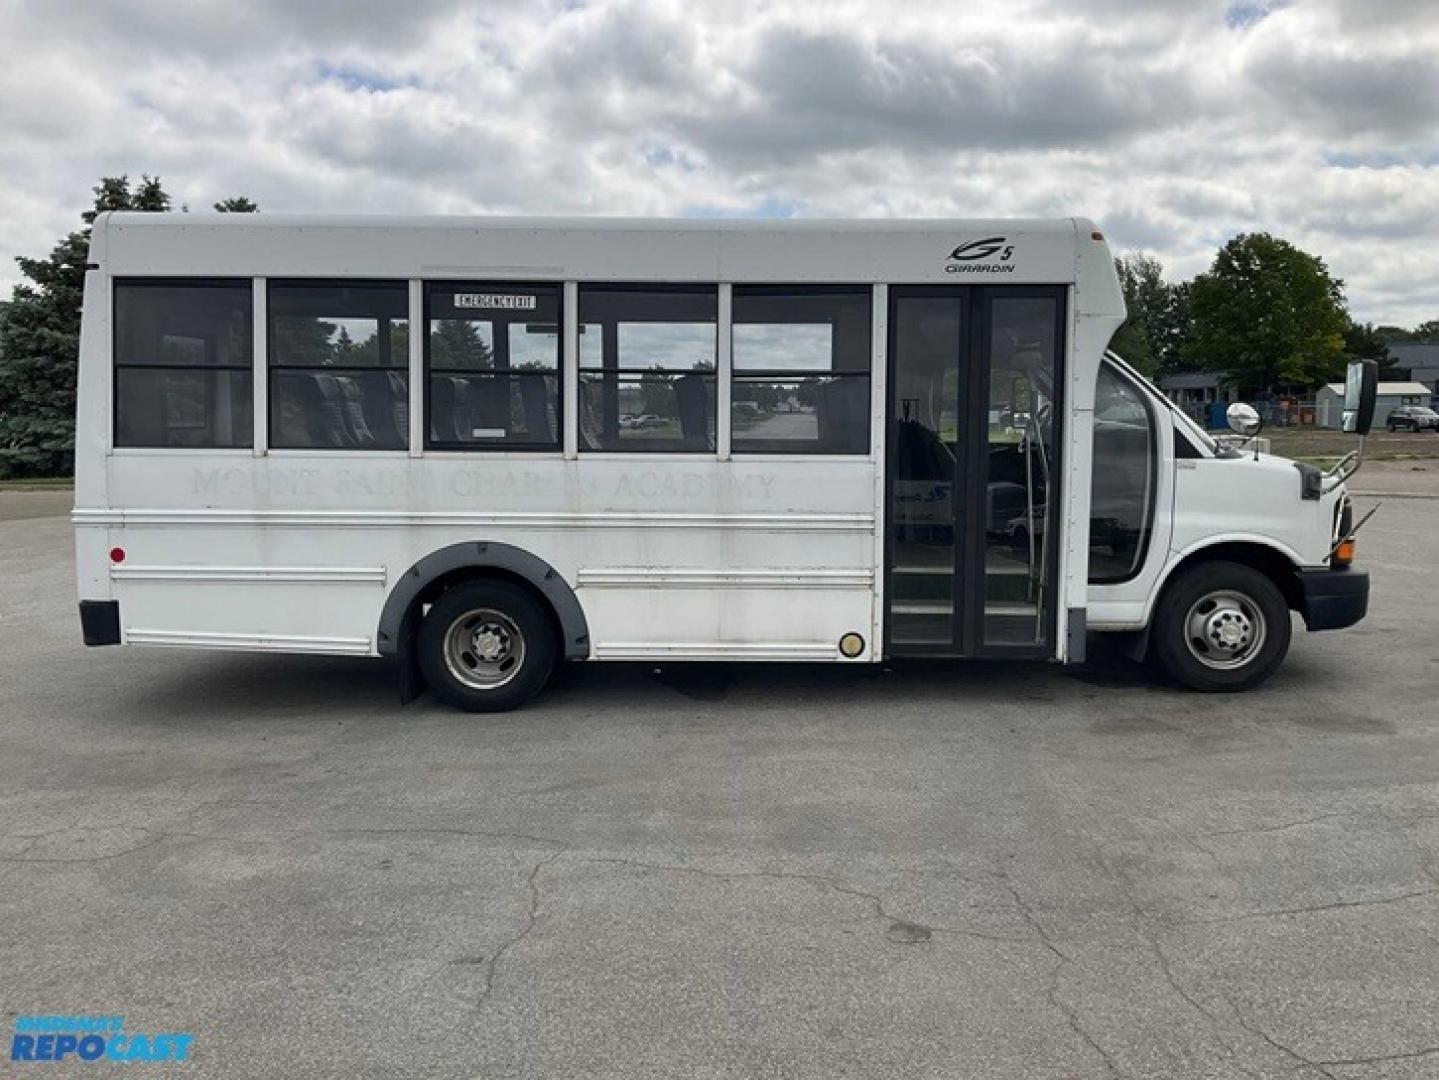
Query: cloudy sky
x=1174 y=123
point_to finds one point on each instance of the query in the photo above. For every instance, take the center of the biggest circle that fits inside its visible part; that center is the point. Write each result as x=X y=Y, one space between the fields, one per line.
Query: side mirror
x=1361 y=387
x=1243 y=420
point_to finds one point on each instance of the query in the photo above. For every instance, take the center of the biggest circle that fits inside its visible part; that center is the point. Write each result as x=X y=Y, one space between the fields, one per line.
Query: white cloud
x=1175 y=123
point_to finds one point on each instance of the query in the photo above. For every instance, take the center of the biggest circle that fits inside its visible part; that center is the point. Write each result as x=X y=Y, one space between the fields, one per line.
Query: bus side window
x=801 y=369
x=184 y=364
x=1122 y=487
x=492 y=354
x=647 y=367
x=339 y=365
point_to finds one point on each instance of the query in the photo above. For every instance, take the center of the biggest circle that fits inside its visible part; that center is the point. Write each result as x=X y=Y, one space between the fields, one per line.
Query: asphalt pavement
x=974 y=870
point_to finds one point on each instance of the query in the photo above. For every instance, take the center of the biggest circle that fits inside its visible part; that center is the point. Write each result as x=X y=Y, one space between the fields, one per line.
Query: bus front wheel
x=1221 y=626
x=486 y=646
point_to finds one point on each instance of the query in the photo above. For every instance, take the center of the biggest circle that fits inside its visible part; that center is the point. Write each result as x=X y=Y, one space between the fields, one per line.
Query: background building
x=1417 y=360
x=1329 y=401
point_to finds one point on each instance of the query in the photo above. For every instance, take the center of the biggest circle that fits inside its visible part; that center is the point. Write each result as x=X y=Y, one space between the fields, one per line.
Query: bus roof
x=939 y=251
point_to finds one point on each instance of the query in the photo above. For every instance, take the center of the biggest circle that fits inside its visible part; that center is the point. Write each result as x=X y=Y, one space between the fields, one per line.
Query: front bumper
x=1333 y=599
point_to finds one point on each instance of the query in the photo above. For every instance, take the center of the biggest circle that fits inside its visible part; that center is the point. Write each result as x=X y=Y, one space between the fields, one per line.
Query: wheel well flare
x=437 y=571
x=1270 y=562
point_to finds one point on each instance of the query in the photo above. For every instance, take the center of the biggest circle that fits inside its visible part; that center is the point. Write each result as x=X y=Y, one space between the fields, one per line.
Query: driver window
x=1121 y=505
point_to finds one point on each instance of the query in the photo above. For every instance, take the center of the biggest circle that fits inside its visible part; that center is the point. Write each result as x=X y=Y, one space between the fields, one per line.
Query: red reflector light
x=117 y=554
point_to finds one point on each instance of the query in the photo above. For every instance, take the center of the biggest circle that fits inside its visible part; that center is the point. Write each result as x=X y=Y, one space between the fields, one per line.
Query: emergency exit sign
x=495 y=301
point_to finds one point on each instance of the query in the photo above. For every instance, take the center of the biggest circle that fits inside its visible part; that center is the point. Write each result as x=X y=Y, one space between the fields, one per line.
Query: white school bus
x=484 y=446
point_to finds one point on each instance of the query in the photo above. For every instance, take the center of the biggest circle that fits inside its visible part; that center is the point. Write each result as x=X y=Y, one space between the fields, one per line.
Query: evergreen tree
x=343 y=349
x=40 y=340
x=456 y=345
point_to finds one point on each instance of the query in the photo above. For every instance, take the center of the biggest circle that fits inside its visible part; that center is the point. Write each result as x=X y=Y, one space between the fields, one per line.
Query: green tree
x=1142 y=279
x=1427 y=331
x=113 y=193
x=40 y=338
x=1395 y=333
x=237 y=204
x=1174 y=328
x=343 y=348
x=456 y=344
x=366 y=353
x=1366 y=342
x=302 y=341
x=1159 y=323
x=1267 y=313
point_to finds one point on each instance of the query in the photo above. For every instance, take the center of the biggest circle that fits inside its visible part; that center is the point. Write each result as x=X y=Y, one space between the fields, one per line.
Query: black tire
x=1246 y=598
x=518 y=632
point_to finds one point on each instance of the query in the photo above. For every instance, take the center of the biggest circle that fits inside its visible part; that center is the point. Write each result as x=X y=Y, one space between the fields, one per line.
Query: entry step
x=921 y=607
x=1003 y=569
x=1010 y=609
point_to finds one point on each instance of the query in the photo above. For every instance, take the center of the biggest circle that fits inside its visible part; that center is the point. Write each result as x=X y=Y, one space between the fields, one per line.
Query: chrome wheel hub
x=491 y=642
x=1225 y=629
x=484 y=649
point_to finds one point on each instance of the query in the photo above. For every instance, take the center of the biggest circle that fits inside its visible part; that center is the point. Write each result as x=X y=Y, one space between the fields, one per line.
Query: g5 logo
x=983 y=249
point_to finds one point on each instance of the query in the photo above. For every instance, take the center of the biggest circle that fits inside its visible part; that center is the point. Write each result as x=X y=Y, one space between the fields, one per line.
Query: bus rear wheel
x=1221 y=626
x=486 y=646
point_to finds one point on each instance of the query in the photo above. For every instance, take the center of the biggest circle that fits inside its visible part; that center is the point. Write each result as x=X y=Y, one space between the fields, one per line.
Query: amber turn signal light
x=1343 y=554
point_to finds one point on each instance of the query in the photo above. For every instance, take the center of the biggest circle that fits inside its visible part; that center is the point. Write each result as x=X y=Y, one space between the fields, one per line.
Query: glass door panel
x=925 y=434
x=1019 y=460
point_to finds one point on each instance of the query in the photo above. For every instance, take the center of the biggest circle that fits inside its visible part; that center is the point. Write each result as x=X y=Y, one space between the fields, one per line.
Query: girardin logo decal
x=978 y=257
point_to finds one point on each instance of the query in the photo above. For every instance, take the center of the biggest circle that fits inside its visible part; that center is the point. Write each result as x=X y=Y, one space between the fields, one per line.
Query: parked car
x=1413 y=418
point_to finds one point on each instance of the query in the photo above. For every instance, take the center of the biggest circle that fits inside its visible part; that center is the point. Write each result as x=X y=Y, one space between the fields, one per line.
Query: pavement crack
x=1144 y=926
x=159 y=836
x=1282 y=827
x=875 y=901
x=423 y=830
x=1148 y=929
x=1283 y=1048
x=23 y=856
x=1379 y=1059
x=1051 y=992
x=1166 y=969
x=532 y=914
x=1337 y=905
